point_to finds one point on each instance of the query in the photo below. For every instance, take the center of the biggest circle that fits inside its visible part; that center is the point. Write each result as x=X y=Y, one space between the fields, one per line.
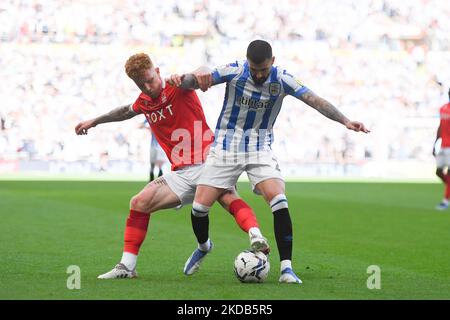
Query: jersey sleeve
x=225 y=73
x=292 y=86
x=136 y=106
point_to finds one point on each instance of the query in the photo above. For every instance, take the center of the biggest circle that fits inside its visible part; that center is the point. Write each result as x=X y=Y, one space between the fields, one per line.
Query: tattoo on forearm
x=118 y=114
x=189 y=82
x=323 y=106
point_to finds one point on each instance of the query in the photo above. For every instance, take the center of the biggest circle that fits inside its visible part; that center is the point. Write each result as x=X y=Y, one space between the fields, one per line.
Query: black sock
x=160 y=173
x=201 y=227
x=283 y=233
x=152 y=176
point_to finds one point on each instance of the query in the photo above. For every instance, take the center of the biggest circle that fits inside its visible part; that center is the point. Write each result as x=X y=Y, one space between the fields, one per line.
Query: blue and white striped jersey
x=249 y=111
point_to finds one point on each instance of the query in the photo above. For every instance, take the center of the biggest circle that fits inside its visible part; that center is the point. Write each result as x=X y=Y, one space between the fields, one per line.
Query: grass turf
x=339 y=230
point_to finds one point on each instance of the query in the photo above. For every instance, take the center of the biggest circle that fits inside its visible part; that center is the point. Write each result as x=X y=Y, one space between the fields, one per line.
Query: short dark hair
x=258 y=51
x=449 y=93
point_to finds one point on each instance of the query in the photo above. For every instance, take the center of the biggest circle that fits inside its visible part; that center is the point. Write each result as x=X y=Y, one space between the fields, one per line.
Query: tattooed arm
x=188 y=81
x=201 y=78
x=117 y=114
x=330 y=111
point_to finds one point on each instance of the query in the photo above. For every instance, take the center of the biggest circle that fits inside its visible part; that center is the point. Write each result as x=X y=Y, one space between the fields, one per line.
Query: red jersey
x=444 y=114
x=177 y=120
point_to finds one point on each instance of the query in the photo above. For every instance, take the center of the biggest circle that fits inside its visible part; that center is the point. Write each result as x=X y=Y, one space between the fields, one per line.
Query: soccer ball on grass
x=251 y=266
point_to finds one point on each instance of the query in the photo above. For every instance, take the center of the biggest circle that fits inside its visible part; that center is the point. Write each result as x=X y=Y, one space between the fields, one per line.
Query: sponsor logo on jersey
x=160 y=114
x=244 y=101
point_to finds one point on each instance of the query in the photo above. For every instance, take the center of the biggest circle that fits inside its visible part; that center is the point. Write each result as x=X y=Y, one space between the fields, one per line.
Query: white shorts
x=183 y=182
x=443 y=158
x=223 y=169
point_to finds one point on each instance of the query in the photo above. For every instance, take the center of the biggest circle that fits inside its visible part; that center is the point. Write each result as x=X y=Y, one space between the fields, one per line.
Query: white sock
x=254 y=231
x=285 y=264
x=205 y=246
x=445 y=201
x=129 y=260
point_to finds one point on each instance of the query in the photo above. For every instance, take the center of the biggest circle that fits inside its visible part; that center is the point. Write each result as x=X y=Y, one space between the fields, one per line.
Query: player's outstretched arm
x=331 y=112
x=117 y=114
x=185 y=81
x=198 y=79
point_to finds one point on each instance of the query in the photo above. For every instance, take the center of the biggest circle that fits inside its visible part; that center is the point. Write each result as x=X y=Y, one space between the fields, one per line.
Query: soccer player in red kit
x=443 y=156
x=177 y=120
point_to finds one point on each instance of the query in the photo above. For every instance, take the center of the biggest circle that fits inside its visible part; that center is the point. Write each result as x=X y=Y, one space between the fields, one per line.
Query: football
x=251 y=266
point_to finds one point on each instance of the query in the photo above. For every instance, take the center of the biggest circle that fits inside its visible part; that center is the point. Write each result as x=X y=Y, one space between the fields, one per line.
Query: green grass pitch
x=339 y=230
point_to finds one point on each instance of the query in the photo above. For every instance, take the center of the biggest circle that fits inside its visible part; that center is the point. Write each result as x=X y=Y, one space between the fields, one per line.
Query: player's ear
x=273 y=59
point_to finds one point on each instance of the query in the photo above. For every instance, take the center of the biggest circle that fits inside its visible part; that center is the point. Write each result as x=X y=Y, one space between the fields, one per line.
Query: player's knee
x=270 y=189
x=140 y=203
x=227 y=198
x=278 y=202
x=199 y=210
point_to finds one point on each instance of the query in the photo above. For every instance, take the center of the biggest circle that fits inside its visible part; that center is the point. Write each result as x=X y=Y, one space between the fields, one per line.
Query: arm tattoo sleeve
x=117 y=114
x=323 y=106
x=189 y=82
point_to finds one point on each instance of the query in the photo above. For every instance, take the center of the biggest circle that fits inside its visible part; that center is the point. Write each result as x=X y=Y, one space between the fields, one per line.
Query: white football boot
x=259 y=243
x=120 y=271
x=193 y=262
x=288 y=276
x=442 y=206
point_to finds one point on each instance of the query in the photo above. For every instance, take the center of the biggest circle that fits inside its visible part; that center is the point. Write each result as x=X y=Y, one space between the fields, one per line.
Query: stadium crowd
x=384 y=62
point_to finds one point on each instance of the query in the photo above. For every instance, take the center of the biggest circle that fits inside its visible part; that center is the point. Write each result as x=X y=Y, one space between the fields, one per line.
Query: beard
x=259 y=81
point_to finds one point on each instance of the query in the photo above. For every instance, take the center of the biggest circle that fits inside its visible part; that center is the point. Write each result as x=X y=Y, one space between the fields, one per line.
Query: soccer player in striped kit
x=173 y=114
x=253 y=97
x=443 y=156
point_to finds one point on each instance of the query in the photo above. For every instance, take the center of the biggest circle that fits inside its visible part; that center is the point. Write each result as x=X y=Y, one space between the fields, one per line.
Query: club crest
x=274 y=89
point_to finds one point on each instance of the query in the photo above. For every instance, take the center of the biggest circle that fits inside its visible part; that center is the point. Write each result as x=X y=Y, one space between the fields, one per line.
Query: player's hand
x=83 y=127
x=356 y=126
x=204 y=79
x=175 y=80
